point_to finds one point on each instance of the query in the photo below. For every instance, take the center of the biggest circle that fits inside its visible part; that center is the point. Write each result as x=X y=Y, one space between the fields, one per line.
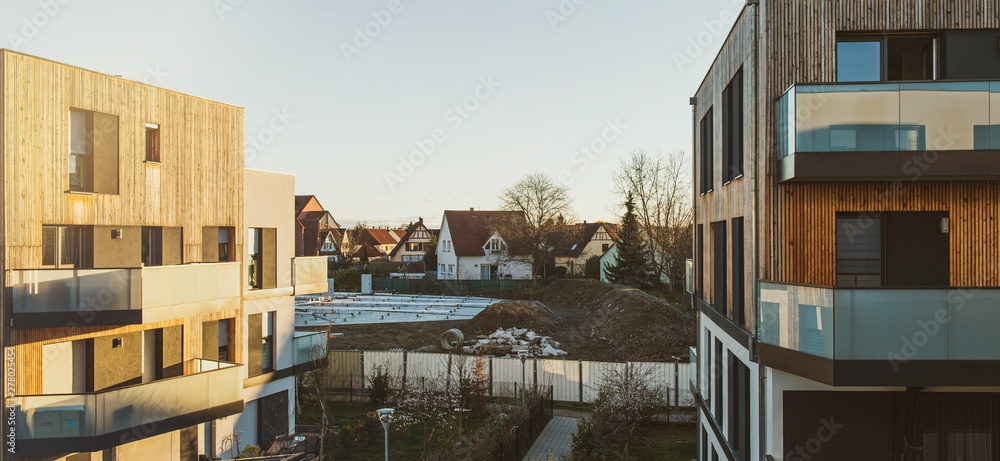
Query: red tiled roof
x=379 y=237
x=471 y=229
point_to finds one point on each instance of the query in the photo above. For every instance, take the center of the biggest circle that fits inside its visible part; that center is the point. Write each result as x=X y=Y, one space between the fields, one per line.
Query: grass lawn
x=671 y=442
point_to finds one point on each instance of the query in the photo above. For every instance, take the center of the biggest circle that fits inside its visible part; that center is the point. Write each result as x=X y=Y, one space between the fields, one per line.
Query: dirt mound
x=628 y=319
x=532 y=315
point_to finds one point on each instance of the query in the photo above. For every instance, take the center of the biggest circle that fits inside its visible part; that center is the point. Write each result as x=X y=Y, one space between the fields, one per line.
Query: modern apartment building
x=125 y=265
x=847 y=220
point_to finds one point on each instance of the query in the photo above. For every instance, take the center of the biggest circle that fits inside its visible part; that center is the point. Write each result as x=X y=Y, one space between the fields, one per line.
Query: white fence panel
x=684 y=397
x=563 y=376
x=381 y=358
x=425 y=365
x=507 y=372
x=593 y=373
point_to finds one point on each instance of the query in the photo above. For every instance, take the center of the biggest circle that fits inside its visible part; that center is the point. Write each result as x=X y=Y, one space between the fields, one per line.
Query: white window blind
x=77 y=132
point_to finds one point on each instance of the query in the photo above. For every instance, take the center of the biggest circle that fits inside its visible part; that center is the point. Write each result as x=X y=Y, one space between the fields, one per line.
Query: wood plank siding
x=198 y=181
x=796 y=225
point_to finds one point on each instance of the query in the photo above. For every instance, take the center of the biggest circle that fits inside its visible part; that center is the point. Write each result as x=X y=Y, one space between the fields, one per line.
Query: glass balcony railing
x=881 y=117
x=881 y=323
x=693 y=372
x=152 y=293
x=208 y=385
x=310 y=275
x=689 y=276
x=309 y=347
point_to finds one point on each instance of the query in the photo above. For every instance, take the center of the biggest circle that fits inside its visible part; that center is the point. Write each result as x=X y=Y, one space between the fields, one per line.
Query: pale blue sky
x=340 y=119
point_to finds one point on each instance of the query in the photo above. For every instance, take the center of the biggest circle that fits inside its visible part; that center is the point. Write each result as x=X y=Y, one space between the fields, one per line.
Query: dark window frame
x=883 y=41
x=732 y=128
x=706 y=149
x=719 y=373
x=738 y=267
x=152 y=135
x=720 y=269
x=738 y=422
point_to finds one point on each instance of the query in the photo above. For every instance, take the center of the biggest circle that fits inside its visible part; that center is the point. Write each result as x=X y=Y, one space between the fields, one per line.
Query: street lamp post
x=385 y=417
x=523 y=354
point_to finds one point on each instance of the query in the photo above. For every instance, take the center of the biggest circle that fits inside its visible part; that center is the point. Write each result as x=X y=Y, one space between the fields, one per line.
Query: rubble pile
x=510 y=341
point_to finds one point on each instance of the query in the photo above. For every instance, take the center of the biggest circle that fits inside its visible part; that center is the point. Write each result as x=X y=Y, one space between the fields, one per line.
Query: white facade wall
x=446 y=254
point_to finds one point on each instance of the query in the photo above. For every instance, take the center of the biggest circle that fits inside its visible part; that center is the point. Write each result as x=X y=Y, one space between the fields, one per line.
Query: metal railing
x=519 y=439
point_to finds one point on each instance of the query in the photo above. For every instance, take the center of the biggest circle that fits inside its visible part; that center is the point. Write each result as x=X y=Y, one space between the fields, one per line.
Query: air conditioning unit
x=57 y=422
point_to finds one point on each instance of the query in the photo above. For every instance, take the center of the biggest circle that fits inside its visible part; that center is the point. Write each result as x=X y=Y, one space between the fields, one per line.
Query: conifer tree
x=630 y=266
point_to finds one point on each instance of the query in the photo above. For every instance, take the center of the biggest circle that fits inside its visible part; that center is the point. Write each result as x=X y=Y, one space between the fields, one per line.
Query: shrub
x=592 y=268
x=379 y=385
x=251 y=451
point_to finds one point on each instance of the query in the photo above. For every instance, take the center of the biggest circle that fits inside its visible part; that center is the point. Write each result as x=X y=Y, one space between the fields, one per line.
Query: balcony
x=881 y=336
x=941 y=130
x=56 y=424
x=309 y=275
x=44 y=298
x=310 y=350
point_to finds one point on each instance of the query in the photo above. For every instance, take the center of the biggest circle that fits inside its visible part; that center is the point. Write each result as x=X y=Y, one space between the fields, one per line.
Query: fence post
x=535 y=376
x=447 y=385
x=491 y=376
x=404 y=369
x=580 y=370
x=677 y=389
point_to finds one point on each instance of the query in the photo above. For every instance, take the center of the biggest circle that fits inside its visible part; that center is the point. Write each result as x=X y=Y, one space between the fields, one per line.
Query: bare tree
x=661 y=187
x=546 y=206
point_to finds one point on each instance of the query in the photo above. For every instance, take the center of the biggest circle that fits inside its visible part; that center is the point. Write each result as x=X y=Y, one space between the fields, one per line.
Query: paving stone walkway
x=554 y=439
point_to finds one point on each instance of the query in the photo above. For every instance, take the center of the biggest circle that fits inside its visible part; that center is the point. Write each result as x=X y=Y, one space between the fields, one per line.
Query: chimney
x=585 y=221
x=472 y=209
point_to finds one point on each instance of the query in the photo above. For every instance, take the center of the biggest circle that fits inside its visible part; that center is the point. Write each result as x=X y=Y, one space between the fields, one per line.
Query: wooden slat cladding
x=735 y=198
x=199 y=182
x=810 y=211
x=799 y=46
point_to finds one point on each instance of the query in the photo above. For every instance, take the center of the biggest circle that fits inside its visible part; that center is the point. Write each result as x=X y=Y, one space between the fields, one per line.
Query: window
x=328 y=244
x=421 y=234
x=414 y=246
x=67 y=246
x=858 y=251
x=443 y=269
x=93 y=152
x=719 y=255
x=717 y=393
x=489 y=272
x=224 y=325
x=152 y=143
x=267 y=342
x=604 y=247
x=732 y=128
x=152 y=246
x=704 y=445
x=413 y=258
x=887 y=58
x=738 y=293
x=494 y=244
x=451 y=269
x=224 y=247
x=254 y=258
x=699 y=262
x=602 y=235
x=706 y=142
x=706 y=369
x=739 y=408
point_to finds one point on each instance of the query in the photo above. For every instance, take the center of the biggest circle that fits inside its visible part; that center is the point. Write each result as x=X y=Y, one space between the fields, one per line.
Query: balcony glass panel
x=689 y=276
x=310 y=274
x=693 y=366
x=882 y=323
x=309 y=347
x=938 y=116
x=944 y=116
x=74 y=290
x=796 y=317
x=95 y=414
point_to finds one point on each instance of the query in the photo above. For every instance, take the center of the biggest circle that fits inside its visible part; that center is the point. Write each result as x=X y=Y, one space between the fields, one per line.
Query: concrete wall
x=269 y=200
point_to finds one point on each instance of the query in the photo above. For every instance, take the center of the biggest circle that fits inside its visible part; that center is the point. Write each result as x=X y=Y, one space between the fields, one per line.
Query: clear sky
x=389 y=110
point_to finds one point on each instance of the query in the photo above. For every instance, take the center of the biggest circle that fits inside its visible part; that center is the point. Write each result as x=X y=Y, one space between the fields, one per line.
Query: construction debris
x=510 y=341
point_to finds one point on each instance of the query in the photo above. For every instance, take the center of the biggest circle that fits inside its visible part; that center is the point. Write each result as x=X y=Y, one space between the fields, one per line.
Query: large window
x=152 y=246
x=93 y=152
x=700 y=262
x=414 y=246
x=255 y=258
x=720 y=274
x=152 y=143
x=739 y=316
x=225 y=249
x=267 y=342
x=67 y=246
x=732 y=128
x=886 y=58
x=859 y=244
x=707 y=177
x=739 y=408
x=224 y=325
x=717 y=393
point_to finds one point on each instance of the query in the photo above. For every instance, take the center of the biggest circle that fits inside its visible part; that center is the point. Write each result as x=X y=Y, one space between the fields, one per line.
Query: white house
x=469 y=249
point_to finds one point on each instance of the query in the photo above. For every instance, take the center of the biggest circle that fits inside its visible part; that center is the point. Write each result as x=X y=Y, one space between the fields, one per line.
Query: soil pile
x=531 y=315
x=639 y=324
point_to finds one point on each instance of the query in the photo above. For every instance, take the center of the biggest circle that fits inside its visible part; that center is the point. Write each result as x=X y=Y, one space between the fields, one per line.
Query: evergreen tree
x=630 y=266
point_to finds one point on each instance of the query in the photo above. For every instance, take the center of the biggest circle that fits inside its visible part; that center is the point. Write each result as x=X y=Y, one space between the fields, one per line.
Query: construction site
x=577 y=319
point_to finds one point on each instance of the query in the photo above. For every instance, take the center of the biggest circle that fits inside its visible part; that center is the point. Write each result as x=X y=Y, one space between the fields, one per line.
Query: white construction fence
x=571 y=380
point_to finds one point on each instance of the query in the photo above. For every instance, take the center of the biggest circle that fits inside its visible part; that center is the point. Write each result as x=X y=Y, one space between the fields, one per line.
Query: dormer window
x=328 y=245
x=495 y=244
